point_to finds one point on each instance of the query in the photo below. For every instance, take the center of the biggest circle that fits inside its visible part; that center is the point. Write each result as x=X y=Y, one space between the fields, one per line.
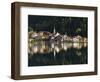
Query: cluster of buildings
x=47 y=36
x=45 y=42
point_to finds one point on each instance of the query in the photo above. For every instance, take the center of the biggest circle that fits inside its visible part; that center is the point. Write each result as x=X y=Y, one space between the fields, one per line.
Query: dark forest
x=72 y=26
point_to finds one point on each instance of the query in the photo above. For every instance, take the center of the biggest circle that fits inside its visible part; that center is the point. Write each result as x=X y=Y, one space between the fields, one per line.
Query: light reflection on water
x=43 y=53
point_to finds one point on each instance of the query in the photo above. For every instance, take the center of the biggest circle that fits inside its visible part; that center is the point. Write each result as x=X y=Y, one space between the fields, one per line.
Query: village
x=55 y=36
x=38 y=41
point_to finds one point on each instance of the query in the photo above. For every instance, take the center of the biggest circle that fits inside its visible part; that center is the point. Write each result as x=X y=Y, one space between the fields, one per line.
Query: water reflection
x=43 y=53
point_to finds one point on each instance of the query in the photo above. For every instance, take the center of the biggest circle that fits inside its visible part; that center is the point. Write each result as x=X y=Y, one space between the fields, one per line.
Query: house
x=77 y=39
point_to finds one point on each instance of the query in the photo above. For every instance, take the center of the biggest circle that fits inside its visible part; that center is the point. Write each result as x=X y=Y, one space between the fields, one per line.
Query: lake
x=46 y=53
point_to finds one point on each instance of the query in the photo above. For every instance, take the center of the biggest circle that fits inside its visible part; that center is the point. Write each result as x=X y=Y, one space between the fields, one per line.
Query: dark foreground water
x=44 y=53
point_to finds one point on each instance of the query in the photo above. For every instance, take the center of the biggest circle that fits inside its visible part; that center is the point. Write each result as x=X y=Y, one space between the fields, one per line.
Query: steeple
x=54 y=31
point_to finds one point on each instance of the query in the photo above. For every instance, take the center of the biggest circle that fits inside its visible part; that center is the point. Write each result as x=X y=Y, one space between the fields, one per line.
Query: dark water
x=44 y=53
